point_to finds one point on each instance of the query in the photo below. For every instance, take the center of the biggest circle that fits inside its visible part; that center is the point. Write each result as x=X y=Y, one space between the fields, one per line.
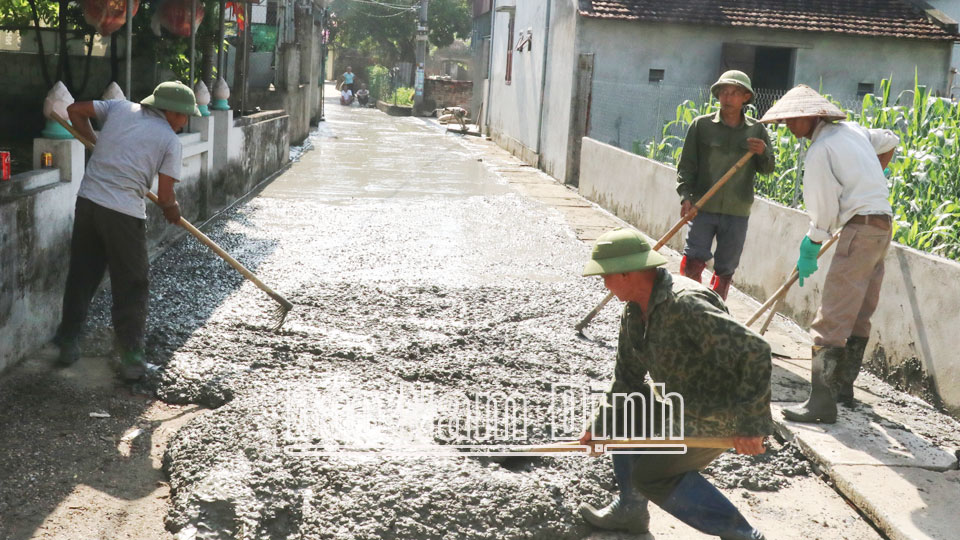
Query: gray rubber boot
x=628 y=512
x=848 y=370
x=821 y=407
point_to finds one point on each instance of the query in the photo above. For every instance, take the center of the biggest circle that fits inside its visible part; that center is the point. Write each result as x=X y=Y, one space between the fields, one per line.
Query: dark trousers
x=106 y=239
x=730 y=232
x=656 y=475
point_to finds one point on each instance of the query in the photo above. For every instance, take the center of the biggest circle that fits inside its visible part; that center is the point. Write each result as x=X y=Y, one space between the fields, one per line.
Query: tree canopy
x=388 y=28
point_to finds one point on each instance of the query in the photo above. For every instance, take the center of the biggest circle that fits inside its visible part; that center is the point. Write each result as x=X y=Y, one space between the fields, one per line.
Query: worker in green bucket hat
x=681 y=335
x=714 y=143
x=136 y=143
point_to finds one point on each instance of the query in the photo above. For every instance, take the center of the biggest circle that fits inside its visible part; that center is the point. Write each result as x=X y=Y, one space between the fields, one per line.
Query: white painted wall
x=515 y=108
x=624 y=102
x=917 y=316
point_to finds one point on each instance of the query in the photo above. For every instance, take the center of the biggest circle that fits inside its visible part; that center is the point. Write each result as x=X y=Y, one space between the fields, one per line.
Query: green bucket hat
x=620 y=251
x=173 y=96
x=734 y=77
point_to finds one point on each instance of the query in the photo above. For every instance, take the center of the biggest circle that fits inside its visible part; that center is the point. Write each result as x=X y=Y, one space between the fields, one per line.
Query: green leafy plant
x=378 y=78
x=264 y=37
x=402 y=96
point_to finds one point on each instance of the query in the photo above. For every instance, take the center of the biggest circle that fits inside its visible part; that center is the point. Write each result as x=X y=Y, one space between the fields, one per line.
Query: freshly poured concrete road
x=426 y=270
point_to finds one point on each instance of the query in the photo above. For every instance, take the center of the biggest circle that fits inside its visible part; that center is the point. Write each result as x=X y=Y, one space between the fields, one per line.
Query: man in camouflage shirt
x=681 y=335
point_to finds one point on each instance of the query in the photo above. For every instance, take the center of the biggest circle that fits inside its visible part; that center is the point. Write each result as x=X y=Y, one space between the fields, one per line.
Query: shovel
x=284 y=307
x=666 y=238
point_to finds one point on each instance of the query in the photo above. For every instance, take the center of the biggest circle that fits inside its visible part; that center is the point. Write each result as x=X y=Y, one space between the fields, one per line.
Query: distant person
x=714 y=143
x=346 y=97
x=137 y=142
x=843 y=188
x=347 y=79
x=363 y=95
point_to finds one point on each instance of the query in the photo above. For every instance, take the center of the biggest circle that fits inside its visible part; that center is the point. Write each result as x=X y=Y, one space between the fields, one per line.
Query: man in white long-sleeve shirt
x=843 y=188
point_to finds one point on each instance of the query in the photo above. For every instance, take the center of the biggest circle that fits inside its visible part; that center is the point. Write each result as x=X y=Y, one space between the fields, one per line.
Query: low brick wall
x=445 y=93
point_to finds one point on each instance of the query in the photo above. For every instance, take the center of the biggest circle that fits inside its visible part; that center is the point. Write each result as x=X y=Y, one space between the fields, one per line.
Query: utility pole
x=421 y=58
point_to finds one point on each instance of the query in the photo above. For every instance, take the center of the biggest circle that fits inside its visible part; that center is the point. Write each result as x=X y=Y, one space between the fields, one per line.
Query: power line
x=389 y=6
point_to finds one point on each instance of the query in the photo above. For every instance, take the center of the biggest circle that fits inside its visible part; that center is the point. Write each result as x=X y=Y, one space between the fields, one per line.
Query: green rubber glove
x=807 y=263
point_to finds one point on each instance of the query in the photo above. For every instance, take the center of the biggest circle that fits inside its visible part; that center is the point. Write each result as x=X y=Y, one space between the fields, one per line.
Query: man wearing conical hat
x=843 y=188
x=714 y=143
x=136 y=142
x=682 y=336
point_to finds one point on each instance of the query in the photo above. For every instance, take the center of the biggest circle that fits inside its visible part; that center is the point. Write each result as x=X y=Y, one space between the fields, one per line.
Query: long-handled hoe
x=284 y=307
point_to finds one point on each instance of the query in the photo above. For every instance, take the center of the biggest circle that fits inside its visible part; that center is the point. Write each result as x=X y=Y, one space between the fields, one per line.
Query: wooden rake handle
x=679 y=225
x=782 y=291
x=189 y=227
x=617 y=444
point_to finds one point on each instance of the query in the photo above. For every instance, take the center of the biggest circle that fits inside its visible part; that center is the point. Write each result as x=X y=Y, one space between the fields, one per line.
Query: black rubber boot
x=848 y=370
x=696 y=502
x=628 y=512
x=821 y=407
x=69 y=350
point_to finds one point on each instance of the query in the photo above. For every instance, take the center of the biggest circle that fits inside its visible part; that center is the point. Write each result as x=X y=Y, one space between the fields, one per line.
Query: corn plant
x=667 y=149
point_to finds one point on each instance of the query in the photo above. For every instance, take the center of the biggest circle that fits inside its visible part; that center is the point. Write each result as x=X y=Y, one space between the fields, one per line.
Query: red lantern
x=107 y=16
x=175 y=16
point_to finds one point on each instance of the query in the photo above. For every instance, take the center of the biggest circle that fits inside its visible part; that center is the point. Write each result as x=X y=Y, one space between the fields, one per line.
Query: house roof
x=888 y=18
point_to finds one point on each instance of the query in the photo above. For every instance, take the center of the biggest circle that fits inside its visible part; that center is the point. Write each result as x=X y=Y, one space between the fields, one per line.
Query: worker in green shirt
x=714 y=143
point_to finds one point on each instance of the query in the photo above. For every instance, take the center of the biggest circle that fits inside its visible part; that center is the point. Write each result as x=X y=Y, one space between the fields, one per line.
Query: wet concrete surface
x=415 y=269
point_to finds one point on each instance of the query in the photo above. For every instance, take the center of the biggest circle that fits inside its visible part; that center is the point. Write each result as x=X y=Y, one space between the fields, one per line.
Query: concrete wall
x=558 y=93
x=34 y=249
x=36 y=214
x=625 y=103
x=299 y=102
x=917 y=316
x=513 y=118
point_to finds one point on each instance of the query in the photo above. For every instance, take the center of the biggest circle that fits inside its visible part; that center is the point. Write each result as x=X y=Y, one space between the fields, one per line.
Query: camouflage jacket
x=695 y=349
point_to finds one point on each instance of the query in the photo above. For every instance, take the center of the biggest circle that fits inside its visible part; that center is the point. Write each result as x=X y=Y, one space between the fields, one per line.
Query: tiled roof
x=891 y=18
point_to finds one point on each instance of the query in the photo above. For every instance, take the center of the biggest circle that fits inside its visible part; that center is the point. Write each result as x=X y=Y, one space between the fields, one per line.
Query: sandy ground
x=422 y=282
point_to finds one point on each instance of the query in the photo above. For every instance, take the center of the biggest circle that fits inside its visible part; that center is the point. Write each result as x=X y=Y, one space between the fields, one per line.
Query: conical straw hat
x=802 y=101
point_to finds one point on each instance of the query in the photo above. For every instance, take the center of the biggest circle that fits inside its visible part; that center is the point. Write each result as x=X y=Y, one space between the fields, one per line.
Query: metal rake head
x=279 y=314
